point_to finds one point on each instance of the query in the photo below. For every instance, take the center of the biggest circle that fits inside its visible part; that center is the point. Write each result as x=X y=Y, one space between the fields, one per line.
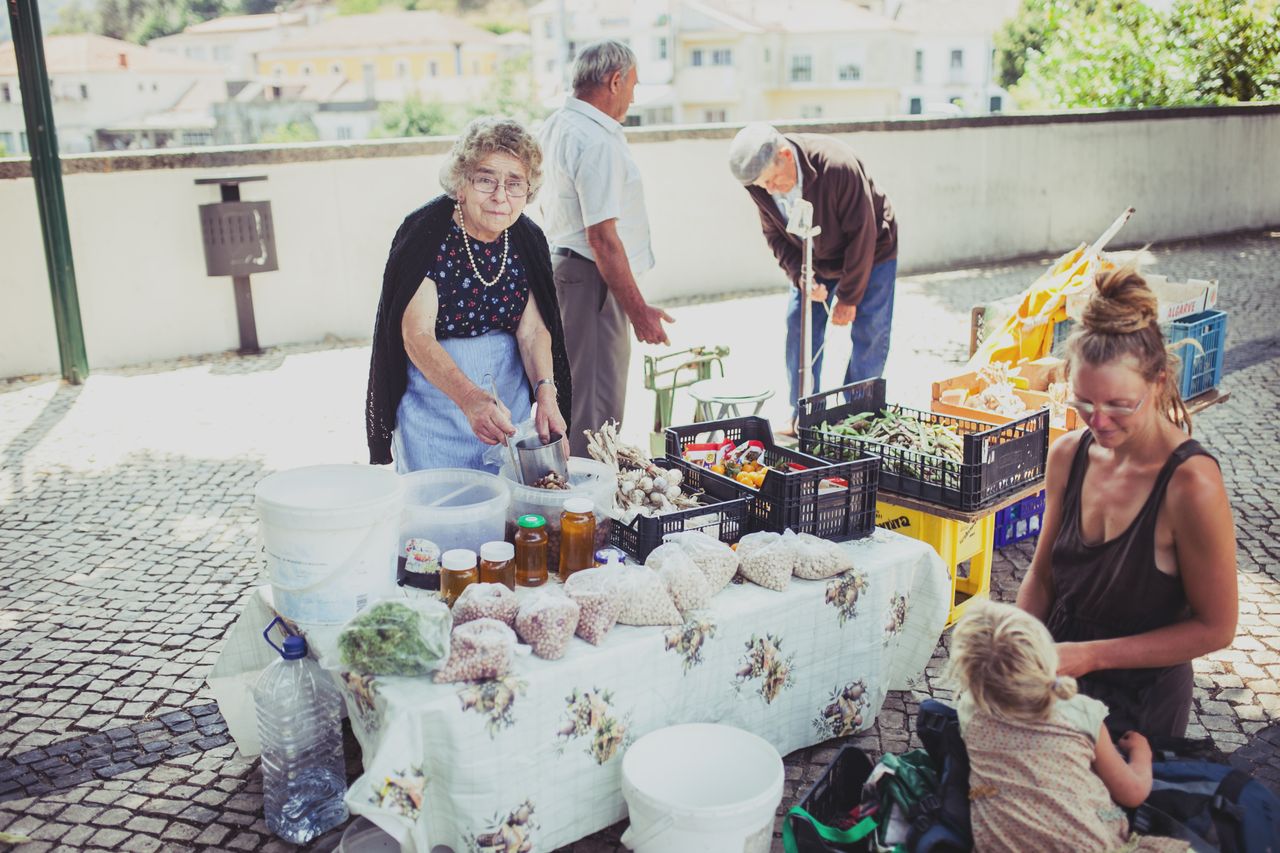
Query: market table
x=536 y=756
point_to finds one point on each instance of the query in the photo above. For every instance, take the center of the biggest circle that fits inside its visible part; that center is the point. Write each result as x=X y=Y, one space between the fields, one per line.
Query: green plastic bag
x=858 y=832
x=912 y=779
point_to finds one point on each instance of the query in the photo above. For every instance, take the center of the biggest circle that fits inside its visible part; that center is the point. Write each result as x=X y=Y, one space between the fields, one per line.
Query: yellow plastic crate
x=956 y=542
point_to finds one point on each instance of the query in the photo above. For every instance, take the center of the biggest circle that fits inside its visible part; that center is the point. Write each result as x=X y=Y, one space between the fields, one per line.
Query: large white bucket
x=701 y=788
x=330 y=536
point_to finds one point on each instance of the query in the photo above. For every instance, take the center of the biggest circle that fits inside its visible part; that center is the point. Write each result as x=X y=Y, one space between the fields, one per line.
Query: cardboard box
x=1177 y=299
x=1040 y=372
x=945 y=391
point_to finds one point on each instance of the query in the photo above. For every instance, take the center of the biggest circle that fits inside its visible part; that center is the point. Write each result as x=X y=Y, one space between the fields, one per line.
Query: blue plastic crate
x=1019 y=521
x=1201 y=371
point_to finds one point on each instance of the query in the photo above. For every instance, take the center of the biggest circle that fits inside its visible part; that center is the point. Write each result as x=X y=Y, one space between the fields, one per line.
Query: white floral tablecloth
x=532 y=762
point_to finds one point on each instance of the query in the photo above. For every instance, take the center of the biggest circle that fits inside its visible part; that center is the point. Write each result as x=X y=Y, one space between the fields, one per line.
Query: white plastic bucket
x=330 y=536
x=701 y=788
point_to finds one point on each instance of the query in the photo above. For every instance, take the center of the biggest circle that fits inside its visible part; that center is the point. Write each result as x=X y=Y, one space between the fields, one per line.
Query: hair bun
x=1123 y=303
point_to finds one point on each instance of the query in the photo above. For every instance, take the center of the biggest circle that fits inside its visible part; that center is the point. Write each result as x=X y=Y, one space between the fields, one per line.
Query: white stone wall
x=965 y=191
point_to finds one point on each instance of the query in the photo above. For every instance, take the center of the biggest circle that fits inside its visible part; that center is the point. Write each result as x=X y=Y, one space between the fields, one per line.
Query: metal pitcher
x=536 y=459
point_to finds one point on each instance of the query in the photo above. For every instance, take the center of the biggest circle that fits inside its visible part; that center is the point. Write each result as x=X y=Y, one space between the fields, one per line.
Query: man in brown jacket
x=854 y=258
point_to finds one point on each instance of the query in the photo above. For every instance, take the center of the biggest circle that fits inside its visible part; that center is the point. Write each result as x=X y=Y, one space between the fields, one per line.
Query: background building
x=105 y=91
x=734 y=60
x=952 y=65
x=234 y=42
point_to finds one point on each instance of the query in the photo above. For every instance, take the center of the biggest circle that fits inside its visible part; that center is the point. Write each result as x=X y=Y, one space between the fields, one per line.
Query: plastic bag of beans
x=486 y=601
x=716 y=560
x=685 y=582
x=766 y=559
x=645 y=600
x=479 y=650
x=546 y=622
x=599 y=598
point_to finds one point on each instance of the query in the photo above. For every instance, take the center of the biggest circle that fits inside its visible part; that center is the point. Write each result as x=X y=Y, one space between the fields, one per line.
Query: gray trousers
x=597 y=335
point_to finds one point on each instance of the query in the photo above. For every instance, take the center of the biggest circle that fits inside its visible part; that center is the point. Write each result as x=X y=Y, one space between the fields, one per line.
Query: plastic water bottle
x=300 y=724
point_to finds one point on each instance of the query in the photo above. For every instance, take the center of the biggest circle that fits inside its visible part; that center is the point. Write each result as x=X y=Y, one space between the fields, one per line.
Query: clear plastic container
x=454 y=508
x=587 y=479
x=299 y=713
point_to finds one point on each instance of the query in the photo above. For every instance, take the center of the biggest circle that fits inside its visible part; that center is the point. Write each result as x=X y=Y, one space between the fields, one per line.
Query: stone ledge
x=274 y=155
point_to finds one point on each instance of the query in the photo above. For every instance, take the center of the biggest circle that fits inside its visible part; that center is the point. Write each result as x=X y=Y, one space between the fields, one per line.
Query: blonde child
x=1044 y=773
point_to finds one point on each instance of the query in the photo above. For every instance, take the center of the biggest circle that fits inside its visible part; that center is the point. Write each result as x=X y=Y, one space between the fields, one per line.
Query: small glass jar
x=531 y=550
x=457 y=572
x=577 y=536
x=498 y=564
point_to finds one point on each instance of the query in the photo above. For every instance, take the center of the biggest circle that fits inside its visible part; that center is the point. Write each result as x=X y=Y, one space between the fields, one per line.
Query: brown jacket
x=858 y=226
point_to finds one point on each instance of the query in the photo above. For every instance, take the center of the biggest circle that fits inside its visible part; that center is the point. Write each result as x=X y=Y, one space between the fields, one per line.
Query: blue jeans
x=869 y=331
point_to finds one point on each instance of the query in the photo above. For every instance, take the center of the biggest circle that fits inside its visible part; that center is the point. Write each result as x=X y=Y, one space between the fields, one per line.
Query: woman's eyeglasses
x=1088 y=410
x=487 y=184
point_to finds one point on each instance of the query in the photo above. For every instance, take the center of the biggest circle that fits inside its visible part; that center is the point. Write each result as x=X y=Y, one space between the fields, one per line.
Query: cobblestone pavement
x=127 y=539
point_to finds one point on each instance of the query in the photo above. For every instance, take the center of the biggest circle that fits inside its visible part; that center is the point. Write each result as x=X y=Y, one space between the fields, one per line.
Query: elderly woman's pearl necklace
x=466 y=243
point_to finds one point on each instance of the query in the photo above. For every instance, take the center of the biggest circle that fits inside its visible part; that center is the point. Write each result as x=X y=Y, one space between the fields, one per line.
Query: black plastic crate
x=791 y=499
x=998 y=460
x=725 y=515
x=837 y=792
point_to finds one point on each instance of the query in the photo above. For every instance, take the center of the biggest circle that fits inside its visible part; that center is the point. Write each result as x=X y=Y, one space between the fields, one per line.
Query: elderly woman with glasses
x=468 y=331
x=1135 y=570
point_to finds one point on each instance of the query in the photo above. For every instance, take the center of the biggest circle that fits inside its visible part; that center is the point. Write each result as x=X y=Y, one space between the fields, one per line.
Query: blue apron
x=432 y=432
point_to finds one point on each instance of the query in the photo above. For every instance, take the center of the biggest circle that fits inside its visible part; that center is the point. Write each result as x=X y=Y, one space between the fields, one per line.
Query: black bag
x=941 y=823
x=1211 y=806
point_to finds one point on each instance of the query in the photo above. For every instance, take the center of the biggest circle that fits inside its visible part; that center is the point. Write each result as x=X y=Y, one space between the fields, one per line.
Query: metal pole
x=800 y=223
x=46 y=171
x=244 y=294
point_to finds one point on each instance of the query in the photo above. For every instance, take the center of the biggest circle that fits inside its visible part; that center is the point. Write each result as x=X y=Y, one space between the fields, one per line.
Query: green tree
x=256 y=7
x=4 y=152
x=1024 y=36
x=1116 y=56
x=358 y=7
x=1124 y=53
x=1231 y=48
x=510 y=93
x=74 y=18
x=416 y=117
x=294 y=131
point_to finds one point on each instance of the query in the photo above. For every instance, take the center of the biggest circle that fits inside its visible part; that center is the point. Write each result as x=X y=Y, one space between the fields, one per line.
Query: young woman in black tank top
x=1135 y=571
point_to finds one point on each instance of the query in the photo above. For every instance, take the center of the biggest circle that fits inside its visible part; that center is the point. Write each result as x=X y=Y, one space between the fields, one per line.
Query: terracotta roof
x=73 y=54
x=382 y=29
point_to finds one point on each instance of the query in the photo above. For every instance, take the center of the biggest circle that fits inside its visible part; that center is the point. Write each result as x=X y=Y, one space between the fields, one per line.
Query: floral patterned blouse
x=468 y=308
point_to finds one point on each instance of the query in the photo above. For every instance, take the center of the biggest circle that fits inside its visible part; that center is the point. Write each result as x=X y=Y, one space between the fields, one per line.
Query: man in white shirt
x=595 y=220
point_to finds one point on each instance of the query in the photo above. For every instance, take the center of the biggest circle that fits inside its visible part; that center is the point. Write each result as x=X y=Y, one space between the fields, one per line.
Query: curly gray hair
x=489 y=135
x=598 y=61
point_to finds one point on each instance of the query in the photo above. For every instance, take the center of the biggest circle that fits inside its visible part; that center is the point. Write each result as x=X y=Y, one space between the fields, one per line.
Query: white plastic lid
x=579 y=505
x=497 y=552
x=458 y=560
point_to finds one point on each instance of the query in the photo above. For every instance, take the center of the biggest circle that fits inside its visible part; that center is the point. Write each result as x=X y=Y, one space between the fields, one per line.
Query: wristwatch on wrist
x=538 y=385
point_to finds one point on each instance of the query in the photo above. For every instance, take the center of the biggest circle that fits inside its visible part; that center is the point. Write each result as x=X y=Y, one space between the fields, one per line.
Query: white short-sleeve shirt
x=590 y=177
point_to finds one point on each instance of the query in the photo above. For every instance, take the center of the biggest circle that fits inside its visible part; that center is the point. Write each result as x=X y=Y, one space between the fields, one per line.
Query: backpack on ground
x=1225 y=808
x=940 y=823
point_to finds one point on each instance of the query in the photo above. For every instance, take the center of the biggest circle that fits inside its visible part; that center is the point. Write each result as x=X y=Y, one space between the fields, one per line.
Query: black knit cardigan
x=417 y=238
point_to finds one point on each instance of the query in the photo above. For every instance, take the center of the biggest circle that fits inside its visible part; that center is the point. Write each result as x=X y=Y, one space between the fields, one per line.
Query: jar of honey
x=457 y=572
x=531 y=550
x=577 y=536
x=498 y=564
